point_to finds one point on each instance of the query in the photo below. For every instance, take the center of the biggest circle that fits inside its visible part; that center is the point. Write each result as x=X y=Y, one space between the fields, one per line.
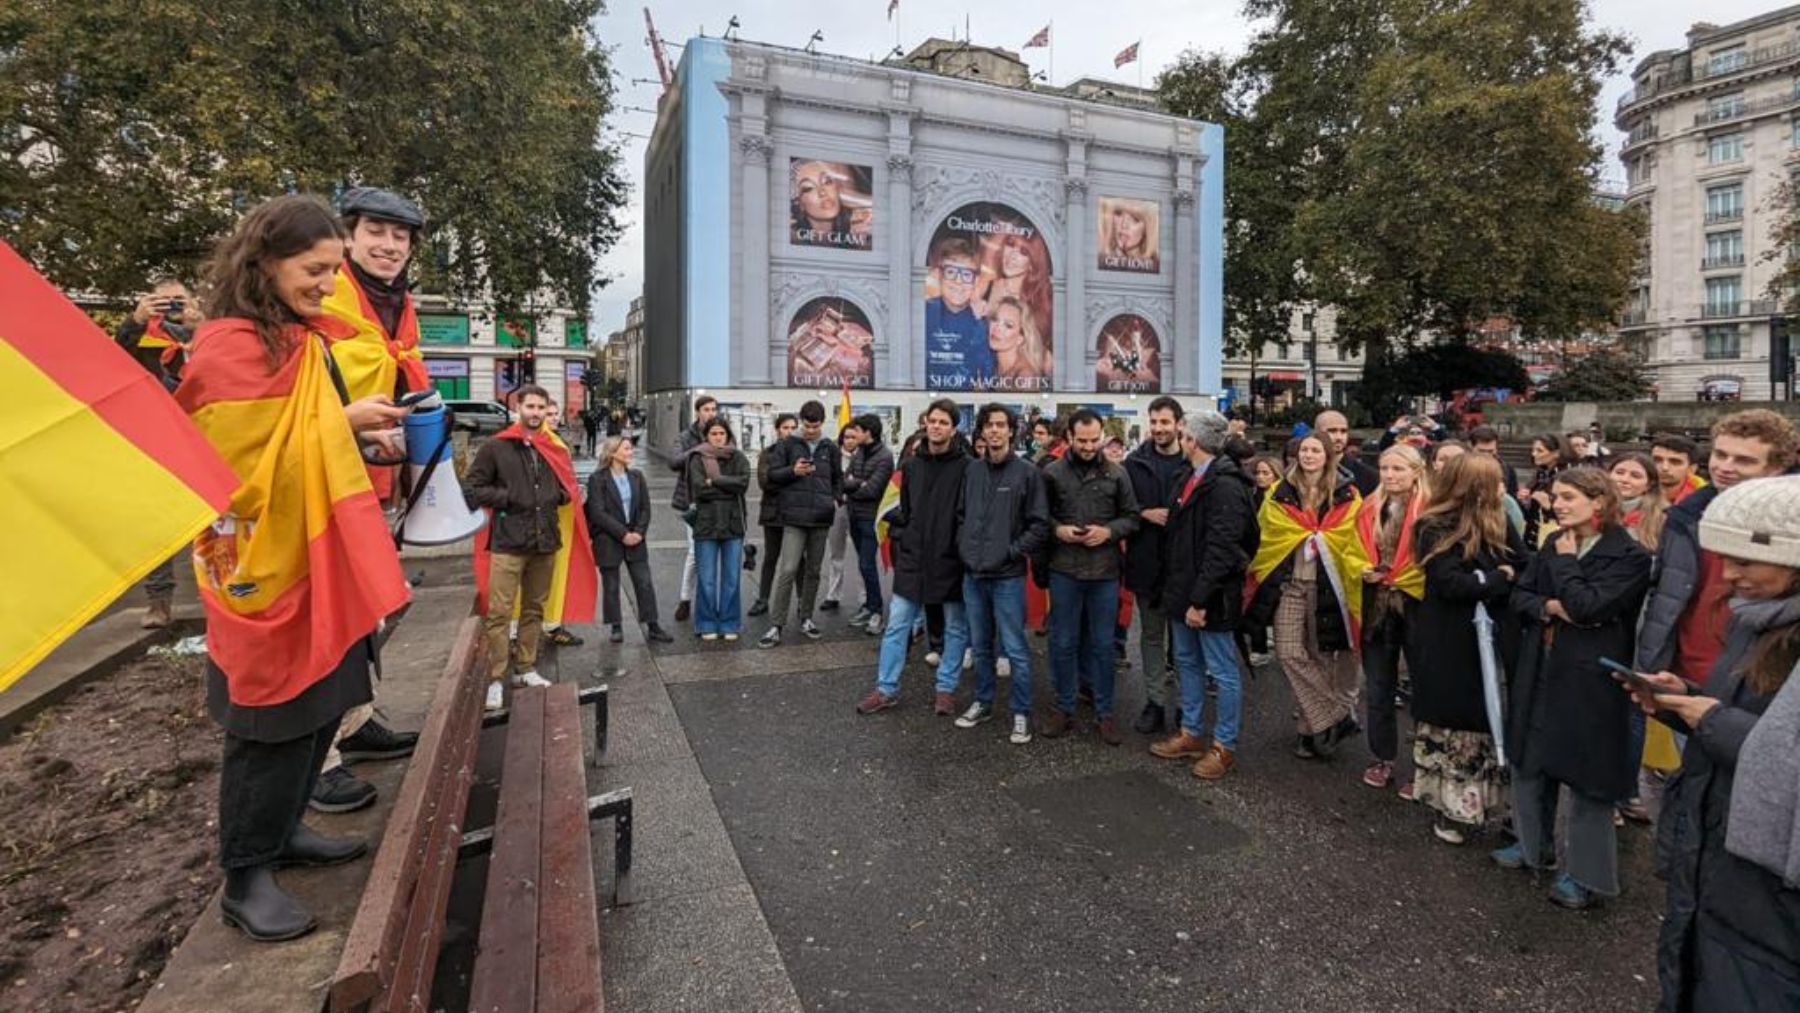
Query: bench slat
x=568 y=927
x=505 y=980
x=372 y=946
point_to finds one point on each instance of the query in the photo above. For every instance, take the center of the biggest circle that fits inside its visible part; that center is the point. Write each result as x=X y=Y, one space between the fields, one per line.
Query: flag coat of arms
x=102 y=476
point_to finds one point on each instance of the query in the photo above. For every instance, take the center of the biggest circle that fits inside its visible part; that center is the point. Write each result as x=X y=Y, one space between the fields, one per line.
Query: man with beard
x=1336 y=428
x=1155 y=468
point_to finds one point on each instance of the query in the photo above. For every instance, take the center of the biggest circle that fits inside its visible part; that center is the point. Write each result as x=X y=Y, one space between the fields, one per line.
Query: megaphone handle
x=437 y=454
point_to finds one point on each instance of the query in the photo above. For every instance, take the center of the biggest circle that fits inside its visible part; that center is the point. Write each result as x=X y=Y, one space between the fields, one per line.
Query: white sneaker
x=932 y=658
x=1003 y=667
x=496 y=697
x=976 y=714
x=531 y=679
x=1021 y=732
x=968 y=658
x=873 y=626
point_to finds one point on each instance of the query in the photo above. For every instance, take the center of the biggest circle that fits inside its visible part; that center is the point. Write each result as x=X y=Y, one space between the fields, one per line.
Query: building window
x=1722 y=343
x=1725 y=203
x=1723 y=148
x=1725 y=107
x=1306 y=323
x=1722 y=295
x=1724 y=249
x=1343 y=354
x=1724 y=61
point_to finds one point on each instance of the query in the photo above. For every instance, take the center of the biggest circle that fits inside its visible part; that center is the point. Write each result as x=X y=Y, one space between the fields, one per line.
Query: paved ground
x=797 y=856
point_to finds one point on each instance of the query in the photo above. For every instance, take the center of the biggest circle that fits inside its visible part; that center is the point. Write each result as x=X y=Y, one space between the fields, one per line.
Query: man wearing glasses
x=957 y=356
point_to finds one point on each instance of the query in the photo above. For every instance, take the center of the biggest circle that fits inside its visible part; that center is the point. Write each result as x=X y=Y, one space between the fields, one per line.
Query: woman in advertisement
x=829 y=204
x=1014 y=266
x=1021 y=362
x=1128 y=236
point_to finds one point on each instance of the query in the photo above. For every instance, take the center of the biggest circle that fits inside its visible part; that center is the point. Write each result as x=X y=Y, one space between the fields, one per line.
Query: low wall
x=1520 y=421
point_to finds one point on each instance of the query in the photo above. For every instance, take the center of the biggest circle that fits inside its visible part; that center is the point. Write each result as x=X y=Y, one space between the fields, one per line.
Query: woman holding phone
x=1727 y=841
x=1567 y=726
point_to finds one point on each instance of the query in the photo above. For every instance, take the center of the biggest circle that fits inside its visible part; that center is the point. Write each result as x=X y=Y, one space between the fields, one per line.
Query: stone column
x=750 y=346
x=1184 y=368
x=1072 y=372
x=900 y=333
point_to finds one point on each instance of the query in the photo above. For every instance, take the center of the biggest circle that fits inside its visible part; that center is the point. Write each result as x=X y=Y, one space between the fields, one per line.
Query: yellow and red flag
x=843 y=412
x=302 y=565
x=575 y=581
x=1693 y=484
x=157 y=336
x=890 y=502
x=1403 y=571
x=1332 y=540
x=101 y=476
x=369 y=359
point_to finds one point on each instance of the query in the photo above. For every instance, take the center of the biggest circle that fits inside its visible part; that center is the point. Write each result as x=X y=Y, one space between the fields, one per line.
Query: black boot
x=1150 y=721
x=257 y=906
x=758 y=607
x=307 y=847
x=658 y=635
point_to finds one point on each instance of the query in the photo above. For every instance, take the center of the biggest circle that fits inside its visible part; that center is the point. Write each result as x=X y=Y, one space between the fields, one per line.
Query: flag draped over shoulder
x=157 y=336
x=890 y=501
x=1693 y=484
x=575 y=581
x=101 y=476
x=369 y=358
x=301 y=565
x=1404 y=573
x=1288 y=528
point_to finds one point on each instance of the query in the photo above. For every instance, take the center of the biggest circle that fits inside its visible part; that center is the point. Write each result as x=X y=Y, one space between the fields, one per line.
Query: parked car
x=480 y=416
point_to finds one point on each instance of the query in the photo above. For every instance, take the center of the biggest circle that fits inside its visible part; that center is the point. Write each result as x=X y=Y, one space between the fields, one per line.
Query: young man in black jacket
x=806 y=473
x=1211 y=532
x=767 y=517
x=706 y=407
x=1002 y=520
x=1154 y=468
x=867 y=481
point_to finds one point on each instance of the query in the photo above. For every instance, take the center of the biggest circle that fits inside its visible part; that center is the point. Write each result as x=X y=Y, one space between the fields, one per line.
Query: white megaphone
x=439 y=514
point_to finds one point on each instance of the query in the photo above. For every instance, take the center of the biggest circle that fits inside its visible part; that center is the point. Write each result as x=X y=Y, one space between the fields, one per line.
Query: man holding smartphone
x=806 y=473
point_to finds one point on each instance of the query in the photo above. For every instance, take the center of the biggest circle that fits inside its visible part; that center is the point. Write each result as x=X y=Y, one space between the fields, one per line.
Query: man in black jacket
x=767 y=517
x=1336 y=428
x=1210 y=538
x=1004 y=517
x=1093 y=509
x=1154 y=468
x=870 y=469
x=511 y=478
x=806 y=473
x=927 y=569
x=706 y=407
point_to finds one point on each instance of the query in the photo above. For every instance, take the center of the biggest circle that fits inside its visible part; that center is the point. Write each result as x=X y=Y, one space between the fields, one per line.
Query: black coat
x=1736 y=910
x=1004 y=517
x=607 y=523
x=719 y=512
x=1565 y=716
x=1088 y=494
x=1442 y=651
x=1209 y=542
x=805 y=501
x=1155 y=480
x=867 y=480
x=513 y=480
x=766 y=514
x=1333 y=634
x=927 y=567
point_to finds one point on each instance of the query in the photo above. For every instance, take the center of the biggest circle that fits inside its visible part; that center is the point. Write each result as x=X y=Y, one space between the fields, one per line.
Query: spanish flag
x=157 y=336
x=843 y=412
x=1693 y=484
x=369 y=359
x=890 y=502
x=1287 y=528
x=1403 y=571
x=575 y=583
x=101 y=476
x=301 y=565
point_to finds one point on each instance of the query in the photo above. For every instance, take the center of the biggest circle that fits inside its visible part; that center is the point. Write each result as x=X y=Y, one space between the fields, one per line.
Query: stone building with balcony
x=1712 y=130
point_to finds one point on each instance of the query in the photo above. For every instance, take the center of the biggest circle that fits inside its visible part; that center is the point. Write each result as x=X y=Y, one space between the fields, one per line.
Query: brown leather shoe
x=1179 y=746
x=944 y=706
x=1109 y=731
x=158 y=616
x=1055 y=726
x=1217 y=762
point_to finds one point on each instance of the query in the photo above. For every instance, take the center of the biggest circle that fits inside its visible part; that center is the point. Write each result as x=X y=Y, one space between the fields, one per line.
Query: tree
x=139 y=132
x=1608 y=373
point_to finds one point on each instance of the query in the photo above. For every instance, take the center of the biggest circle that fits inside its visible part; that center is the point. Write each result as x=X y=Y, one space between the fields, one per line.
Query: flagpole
x=1052 y=74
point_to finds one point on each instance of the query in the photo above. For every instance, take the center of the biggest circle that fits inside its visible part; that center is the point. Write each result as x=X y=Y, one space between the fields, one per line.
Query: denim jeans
x=895 y=637
x=1078 y=606
x=1207 y=654
x=862 y=533
x=995 y=607
x=718 y=608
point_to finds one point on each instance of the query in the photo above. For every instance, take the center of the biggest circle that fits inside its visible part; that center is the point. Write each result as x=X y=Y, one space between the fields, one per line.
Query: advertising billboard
x=1130 y=357
x=1128 y=235
x=989 y=304
x=830 y=343
x=830 y=204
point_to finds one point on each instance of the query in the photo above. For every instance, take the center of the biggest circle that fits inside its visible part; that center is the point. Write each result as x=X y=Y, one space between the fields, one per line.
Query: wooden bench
x=390 y=954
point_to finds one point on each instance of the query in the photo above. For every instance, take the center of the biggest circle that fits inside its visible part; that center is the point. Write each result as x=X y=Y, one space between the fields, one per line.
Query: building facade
x=1712 y=131
x=623 y=357
x=816 y=224
x=473 y=353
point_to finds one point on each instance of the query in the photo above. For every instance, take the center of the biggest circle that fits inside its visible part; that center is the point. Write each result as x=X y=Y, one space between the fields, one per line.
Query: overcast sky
x=1087 y=35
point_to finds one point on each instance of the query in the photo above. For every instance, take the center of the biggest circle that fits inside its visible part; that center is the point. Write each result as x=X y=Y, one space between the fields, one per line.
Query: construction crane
x=656 y=50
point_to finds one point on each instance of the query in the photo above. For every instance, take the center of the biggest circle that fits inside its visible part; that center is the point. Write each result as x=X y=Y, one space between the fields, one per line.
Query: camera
x=174 y=308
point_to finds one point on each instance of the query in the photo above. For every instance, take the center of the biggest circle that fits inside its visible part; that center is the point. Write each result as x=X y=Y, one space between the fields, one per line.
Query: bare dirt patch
x=108 y=835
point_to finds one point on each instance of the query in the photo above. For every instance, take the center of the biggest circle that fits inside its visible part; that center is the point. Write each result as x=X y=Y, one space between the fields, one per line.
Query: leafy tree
x=137 y=133
x=1608 y=373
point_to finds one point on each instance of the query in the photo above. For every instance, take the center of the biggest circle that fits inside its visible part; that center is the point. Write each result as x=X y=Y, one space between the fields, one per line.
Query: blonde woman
x=1392 y=583
x=1128 y=237
x=1021 y=362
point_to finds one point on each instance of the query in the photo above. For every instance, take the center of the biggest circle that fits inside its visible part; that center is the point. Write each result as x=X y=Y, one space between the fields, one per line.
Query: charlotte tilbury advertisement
x=829 y=204
x=1130 y=357
x=1128 y=235
x=830 y=343
x=988 y=302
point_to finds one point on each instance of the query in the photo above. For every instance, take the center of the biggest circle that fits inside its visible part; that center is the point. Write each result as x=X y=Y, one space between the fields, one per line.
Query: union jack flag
x=1126 y=55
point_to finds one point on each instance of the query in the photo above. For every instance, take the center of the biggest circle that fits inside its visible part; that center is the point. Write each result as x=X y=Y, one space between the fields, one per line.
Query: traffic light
x=528 y=365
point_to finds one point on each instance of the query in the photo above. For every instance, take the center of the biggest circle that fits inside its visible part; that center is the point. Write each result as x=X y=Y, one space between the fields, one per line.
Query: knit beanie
x=1757 y=520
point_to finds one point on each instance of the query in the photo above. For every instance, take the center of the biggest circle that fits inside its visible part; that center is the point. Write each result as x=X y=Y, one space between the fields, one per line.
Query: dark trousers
x=263 y=788
x=867 y=546
x=771 y=555
x=1082 y=613
x=642 y=591
x=1381 y=675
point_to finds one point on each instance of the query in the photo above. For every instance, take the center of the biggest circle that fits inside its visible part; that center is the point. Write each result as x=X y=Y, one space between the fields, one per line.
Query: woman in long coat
x=618 y=516
x=1567 y=726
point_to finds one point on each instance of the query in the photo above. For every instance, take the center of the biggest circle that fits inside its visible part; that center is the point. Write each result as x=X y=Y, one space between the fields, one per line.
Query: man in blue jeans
x=927 y=569
x=1209 y=538
x=1093 y=509
x=1003 y=519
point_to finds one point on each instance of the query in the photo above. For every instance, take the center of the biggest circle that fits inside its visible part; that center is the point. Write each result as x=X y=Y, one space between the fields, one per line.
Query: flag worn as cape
x=575 y=582
x=370 y=358
x=301 y=565
x=101 y=476
x=890 y=501
x=156 y=336
x=1404 y=573
x=1693 y=484
x=1288 y=528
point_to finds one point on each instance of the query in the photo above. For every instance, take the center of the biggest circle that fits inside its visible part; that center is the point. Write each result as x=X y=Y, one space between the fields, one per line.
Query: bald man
x=1336 y=428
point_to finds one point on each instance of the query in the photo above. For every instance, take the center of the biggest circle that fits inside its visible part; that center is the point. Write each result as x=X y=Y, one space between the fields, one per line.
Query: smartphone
x=1081 y=530
x=411 y=398
x=1631 y=675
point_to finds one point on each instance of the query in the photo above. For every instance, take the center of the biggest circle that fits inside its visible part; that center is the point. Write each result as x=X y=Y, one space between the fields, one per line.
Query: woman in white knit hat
x=1729 y=837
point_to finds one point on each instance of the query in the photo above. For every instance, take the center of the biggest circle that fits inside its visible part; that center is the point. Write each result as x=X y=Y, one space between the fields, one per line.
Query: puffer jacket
x=805 y=501
x=1676 y=579
x=866 y=480
x=1211 y=540
x=1089 y=493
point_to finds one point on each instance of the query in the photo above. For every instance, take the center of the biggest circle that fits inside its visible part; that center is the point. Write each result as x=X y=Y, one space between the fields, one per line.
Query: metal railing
x=1722 y=260
x=1728 y=310
x=1681 y=77
x=1727 y=215
x=1739 y=110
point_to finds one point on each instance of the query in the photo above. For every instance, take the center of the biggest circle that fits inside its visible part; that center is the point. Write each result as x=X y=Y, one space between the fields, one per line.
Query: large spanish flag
x=575 y=582
x=101 y=476
x=1332 y=540
x=1403 y=570
x=302 y=565
x=369 y=359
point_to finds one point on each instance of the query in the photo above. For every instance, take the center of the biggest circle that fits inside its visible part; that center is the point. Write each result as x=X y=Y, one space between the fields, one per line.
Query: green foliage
x=137 y=133
x=1608 y=373
x=1447 y=368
